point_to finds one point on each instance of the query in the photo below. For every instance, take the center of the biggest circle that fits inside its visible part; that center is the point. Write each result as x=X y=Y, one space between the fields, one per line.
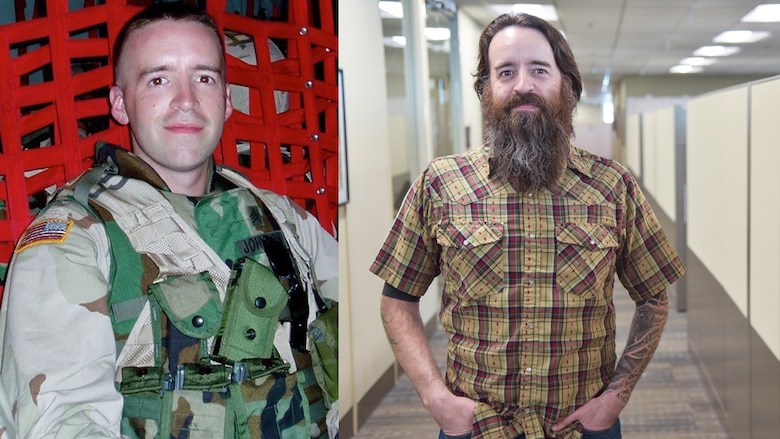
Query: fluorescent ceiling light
x=698 y=61
x=763 y=14
x=740 y=36
x=437 y=33
x=685 y=68
x=716 y=51
x=391 y=9
x=545 y=12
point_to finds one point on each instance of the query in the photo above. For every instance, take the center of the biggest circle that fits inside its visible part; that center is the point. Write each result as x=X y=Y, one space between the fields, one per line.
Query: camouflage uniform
x=132 y=292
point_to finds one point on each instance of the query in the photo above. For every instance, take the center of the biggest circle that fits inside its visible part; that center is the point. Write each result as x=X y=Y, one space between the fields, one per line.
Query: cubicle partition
x=655 y=154
x=633 y=155
x=718 y=322
x=764 y=259
x=733 y=252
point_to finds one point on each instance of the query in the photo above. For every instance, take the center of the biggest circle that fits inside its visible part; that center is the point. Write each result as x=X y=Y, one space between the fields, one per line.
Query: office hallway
x=669 y=402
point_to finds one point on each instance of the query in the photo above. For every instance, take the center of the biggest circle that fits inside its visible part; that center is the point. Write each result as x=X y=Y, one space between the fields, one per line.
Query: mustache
x=515 y=100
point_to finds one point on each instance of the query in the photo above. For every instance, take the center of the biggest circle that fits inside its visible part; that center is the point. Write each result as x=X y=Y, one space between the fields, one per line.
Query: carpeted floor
x=670 y=401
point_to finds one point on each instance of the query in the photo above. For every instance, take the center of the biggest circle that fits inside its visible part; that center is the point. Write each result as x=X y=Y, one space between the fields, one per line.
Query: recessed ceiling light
x=545 y=12
x=685 y=68
x=391 y=9
x=698 y=61
x=763 y=14
x=716 y=51
x=740 y=36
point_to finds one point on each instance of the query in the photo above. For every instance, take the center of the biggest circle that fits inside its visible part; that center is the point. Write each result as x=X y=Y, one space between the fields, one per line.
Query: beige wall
x=469 y=42
x=717 y=177
x=666 y=162
x=363 y=223
x=664 y=91
x=765 y=214
x=658 y=158
x=678 y=85
x=632 y=143
x=733 y=282
x=591 y=133
x=364 y=354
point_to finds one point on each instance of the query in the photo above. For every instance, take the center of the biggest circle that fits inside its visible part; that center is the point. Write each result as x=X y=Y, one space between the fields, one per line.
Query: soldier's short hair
x=175 y=11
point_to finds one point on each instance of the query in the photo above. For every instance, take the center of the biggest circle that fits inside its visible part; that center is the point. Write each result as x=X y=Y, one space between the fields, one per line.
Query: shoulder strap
x=91 y=178
x=305 y=301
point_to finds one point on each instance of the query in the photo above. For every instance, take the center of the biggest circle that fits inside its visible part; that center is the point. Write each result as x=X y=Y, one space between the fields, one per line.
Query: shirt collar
x=578 y=162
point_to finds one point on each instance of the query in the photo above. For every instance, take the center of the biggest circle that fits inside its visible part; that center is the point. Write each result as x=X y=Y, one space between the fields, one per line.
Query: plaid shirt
x=528 y=281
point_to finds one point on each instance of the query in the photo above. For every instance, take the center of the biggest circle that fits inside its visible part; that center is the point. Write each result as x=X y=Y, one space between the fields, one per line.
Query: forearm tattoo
x=643 y=338
x=390 y=338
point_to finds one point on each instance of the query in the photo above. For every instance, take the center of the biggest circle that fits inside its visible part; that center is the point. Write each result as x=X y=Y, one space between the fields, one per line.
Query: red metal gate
x=54 y=106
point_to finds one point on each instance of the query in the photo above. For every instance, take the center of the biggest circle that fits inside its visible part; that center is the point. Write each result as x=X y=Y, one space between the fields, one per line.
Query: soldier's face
x=171 y=91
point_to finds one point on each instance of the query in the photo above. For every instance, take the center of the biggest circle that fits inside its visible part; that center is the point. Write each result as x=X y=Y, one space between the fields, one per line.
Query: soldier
x=160 y=294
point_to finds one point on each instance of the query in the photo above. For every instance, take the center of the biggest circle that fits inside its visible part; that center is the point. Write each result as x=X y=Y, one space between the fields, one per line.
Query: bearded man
x=527 y=233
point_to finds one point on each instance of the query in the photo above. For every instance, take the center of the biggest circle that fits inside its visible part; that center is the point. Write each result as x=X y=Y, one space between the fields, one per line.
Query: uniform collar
x=131 y=166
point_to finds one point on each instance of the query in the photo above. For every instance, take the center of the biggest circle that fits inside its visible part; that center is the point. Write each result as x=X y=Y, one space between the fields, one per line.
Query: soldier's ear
x=228 y=102
x=118 y=110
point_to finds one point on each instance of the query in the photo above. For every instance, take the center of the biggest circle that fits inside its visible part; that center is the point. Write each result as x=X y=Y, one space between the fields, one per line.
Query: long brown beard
x=528 y=149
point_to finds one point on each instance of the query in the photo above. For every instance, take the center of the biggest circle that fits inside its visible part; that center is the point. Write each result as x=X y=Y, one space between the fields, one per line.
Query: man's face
x=527 y=110
x=522 y=61
x=170 y=89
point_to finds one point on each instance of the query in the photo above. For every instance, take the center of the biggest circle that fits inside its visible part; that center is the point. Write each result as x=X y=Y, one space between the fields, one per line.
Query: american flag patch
x=46 y=231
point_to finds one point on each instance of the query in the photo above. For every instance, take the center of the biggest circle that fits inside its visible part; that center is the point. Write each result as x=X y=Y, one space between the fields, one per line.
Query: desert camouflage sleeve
x=57 y=348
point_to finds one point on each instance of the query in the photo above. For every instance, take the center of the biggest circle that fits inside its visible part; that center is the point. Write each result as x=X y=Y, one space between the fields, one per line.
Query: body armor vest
x=211 y=330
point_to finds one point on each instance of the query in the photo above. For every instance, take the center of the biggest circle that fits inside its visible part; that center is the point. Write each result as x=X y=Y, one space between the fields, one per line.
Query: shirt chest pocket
x=472 y=258
x=585 y=258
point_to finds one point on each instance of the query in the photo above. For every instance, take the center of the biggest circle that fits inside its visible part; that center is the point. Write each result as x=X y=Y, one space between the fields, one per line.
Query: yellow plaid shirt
x=528 y=281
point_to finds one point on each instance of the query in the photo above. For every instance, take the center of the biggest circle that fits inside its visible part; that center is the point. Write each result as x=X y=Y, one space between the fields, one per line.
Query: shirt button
x=531 y=325
x=592 y=242
x=531 y=282
x=528 y=370
x=467 y=242
x=527 y=411
x=532 y=236
x=530 y=194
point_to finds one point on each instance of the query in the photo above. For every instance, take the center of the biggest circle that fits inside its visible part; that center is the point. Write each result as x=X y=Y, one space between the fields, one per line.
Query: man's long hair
x=564 y=57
